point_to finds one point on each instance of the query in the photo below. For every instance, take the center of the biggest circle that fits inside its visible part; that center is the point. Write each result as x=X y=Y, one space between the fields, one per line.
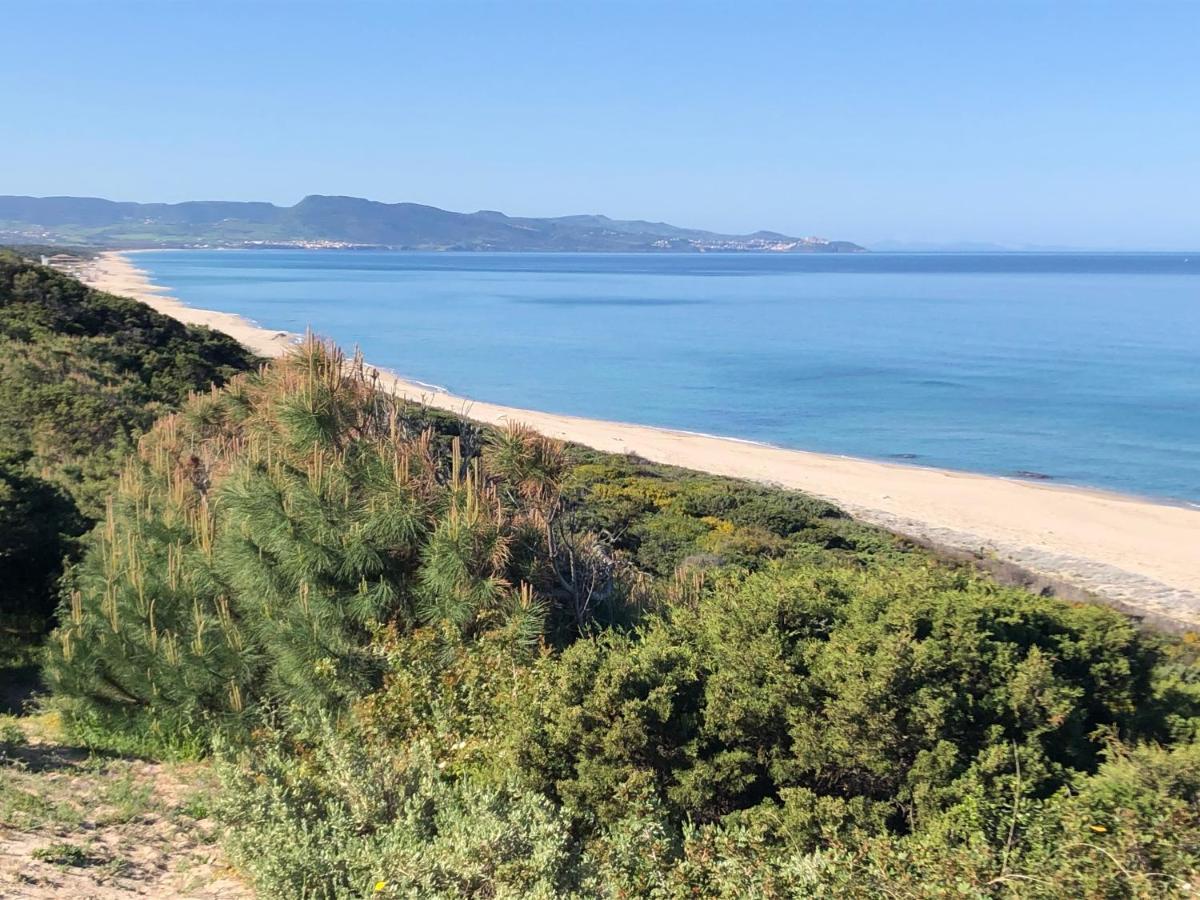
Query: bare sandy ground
x=106 y=828
x=1135 y=553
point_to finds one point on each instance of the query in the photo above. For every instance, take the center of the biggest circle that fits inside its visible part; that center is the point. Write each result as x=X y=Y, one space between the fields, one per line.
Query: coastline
x=1137 y=554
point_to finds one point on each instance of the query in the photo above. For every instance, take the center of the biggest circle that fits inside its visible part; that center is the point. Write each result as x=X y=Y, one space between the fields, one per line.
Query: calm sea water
x=1081 y=367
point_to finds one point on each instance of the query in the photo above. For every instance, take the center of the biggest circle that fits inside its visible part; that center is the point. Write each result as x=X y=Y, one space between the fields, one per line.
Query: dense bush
x=802 y=731
x=351 y=823
x=734 y=747
x=889 y=692
x=39 y=527
x=84 y=371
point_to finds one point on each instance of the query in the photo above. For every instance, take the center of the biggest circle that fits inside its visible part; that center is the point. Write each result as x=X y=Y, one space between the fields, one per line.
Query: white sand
x=1122 y=549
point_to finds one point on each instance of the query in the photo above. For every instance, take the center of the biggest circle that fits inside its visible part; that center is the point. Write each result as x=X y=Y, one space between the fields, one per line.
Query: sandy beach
x=1139 y=555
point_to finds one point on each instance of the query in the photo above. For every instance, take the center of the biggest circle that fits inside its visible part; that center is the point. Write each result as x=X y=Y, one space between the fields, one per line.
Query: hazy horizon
x=939 y=125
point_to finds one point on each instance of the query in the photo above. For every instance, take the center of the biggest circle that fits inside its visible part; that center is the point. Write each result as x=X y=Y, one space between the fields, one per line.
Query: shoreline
x=1139 y=555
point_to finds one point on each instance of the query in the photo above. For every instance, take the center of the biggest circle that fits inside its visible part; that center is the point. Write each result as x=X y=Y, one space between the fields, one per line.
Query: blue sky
x=1059 y=123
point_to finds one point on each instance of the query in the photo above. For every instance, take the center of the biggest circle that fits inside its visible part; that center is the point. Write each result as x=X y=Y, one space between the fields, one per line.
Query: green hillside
x=358 y=222
x=82 y=375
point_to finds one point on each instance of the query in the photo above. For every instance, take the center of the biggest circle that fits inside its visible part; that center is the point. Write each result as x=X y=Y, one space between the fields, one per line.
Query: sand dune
x=1135 y=553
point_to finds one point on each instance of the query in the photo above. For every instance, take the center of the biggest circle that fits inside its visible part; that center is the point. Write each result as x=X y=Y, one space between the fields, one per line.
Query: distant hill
x=320 y=221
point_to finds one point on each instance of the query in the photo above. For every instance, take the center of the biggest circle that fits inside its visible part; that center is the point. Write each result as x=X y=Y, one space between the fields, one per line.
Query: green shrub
x=62 y=853
x=900 y=688
x=337 y=821
x=665 y=517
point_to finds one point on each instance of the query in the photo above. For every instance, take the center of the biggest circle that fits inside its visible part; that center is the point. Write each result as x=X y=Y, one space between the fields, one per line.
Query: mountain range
x=325 y=221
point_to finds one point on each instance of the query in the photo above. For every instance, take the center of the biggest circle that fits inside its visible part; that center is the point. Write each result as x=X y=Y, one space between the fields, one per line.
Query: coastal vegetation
x=444 y=661
x=82 y=375
x=433 y=659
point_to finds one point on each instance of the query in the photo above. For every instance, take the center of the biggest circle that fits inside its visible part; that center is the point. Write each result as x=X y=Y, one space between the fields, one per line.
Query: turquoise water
x=1081 y=367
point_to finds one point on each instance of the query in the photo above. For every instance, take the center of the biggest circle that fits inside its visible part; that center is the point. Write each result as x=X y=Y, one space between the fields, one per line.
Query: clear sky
x=1051 y=123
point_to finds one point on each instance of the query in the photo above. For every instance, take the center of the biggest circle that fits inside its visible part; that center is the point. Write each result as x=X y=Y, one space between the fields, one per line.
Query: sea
x=1071 y=368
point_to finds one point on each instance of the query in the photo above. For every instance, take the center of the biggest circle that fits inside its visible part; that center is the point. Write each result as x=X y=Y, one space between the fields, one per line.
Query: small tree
x=262 y=535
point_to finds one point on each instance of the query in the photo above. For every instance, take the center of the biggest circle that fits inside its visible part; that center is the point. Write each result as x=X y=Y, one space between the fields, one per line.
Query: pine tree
x=262 y=535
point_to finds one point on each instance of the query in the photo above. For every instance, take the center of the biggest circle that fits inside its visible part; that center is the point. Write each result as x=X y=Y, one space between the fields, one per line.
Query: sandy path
x=108 y=828
x=1126 y=550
